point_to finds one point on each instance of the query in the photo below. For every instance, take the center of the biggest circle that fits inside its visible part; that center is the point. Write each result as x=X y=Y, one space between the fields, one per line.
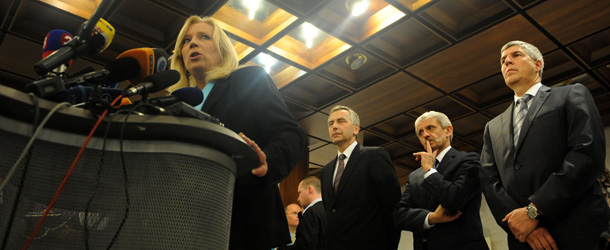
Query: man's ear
x=449 y=131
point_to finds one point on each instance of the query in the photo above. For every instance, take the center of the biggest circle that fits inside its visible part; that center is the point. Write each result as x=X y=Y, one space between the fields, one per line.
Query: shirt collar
x=532 y=91
x=442 y=154
x=348 y=151
x=312 y=203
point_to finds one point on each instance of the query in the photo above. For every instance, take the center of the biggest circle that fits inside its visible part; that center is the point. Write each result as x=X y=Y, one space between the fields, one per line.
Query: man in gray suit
x=541 y=158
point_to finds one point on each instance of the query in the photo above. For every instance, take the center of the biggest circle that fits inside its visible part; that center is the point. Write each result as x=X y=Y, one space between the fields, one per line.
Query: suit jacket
x=310 y=231
x=456 y=187
x=359 y=214
x=248 y=101
x=560 y=154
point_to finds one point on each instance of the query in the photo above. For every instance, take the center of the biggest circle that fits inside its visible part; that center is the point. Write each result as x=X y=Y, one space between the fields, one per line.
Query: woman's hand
x=261 y=170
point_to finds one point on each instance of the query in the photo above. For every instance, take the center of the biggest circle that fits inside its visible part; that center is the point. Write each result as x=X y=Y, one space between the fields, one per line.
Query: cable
x=29 y=145
x=68 y=174
x=34 y=99
x=96 y=185
x=125 y=180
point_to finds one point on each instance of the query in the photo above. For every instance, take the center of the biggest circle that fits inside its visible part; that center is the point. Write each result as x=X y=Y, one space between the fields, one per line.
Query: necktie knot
x=436 y=162
x=342 y=157
x=523 y=100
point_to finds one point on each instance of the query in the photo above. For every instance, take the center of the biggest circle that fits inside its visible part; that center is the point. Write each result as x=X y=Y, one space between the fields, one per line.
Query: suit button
x=334 y=210
x=517 y=167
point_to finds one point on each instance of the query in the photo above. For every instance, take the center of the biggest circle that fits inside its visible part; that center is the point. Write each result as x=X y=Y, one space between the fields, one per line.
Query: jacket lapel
x=541 y=96
x=220 y=86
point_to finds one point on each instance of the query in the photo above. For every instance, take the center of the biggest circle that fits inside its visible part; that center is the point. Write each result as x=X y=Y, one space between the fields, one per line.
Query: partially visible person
x=359 y=189
x=541 y=158
x=292 y=215
x=247 y=101
x=312 y=224
x=442 y=199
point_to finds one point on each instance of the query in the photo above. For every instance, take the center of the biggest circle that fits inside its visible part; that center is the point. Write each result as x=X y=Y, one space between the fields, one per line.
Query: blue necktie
x=436 y=162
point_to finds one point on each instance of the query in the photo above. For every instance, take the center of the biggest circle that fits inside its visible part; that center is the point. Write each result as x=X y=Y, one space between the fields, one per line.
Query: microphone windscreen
x=54 y=40
x=191 y=95
x=162 y=80
x=101 y=37
x=151 y=61
x=122 y=69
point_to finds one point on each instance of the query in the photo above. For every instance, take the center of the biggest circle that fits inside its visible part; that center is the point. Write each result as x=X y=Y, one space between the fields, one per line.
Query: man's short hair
x=312 y=181
x=352 y=114
x=530 y=49
x=442 y=118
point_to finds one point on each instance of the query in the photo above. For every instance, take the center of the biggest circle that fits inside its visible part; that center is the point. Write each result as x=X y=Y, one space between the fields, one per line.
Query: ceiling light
x=357 y=7
x=355 y=60
x=252 y=6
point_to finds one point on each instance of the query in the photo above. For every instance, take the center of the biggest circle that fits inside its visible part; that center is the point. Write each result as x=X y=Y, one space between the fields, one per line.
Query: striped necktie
x=339 y=170
x=521 y=111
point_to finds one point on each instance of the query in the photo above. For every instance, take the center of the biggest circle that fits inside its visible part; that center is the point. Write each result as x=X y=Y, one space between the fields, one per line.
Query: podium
x=168 y=184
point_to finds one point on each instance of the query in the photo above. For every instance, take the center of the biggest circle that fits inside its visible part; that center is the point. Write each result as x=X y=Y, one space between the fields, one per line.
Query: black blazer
x=561 y=152
x=455 y=186
x=359 y=214
x=310 y=231
x=248 y=101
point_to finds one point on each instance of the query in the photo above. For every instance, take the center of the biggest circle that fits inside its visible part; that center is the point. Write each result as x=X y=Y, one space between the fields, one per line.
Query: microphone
x=151 y=60
x=53 y=41
x=190 y=95
x=153 y=83
x=115 y=71
x=95 y=42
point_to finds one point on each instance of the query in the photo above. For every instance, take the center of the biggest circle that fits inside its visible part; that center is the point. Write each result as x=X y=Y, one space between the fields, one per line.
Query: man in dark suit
x=442 y=199
x=312 y=224
x=541 y=158
x=359 y=189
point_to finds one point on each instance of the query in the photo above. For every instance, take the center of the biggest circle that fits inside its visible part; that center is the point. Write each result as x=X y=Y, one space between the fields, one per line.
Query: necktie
x=339 y=170
x=519 y=117
x=436 y=162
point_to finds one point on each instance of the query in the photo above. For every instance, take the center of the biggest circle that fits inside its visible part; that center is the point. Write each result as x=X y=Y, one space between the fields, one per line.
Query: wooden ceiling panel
x=323 y=155
x=316 y=125
x=146 y=22
x=395 y=94
x=396 y=128
x=372 y=139
x=193 y=7
x=313 y=91
x=403 y=49
x=371 y=70
x=36 y=19
x=336 y=19
x=464 y=146
x=557 y=67
x=299 y=111
x=461 y=18
x=479 y=53
x=446 y=105
x=594 y=50
x=398 y=151
x=315 y=143
x=469 y=125
x=569 y=20
x=489 y=91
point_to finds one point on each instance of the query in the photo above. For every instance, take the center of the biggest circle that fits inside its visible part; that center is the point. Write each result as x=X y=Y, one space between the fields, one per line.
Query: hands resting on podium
x=261 y=170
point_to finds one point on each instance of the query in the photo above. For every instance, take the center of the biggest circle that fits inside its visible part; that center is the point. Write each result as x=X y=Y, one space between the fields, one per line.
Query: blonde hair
x=228 y=56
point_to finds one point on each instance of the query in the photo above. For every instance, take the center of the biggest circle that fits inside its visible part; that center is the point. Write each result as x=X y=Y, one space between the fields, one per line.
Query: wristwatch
x=532 y=212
